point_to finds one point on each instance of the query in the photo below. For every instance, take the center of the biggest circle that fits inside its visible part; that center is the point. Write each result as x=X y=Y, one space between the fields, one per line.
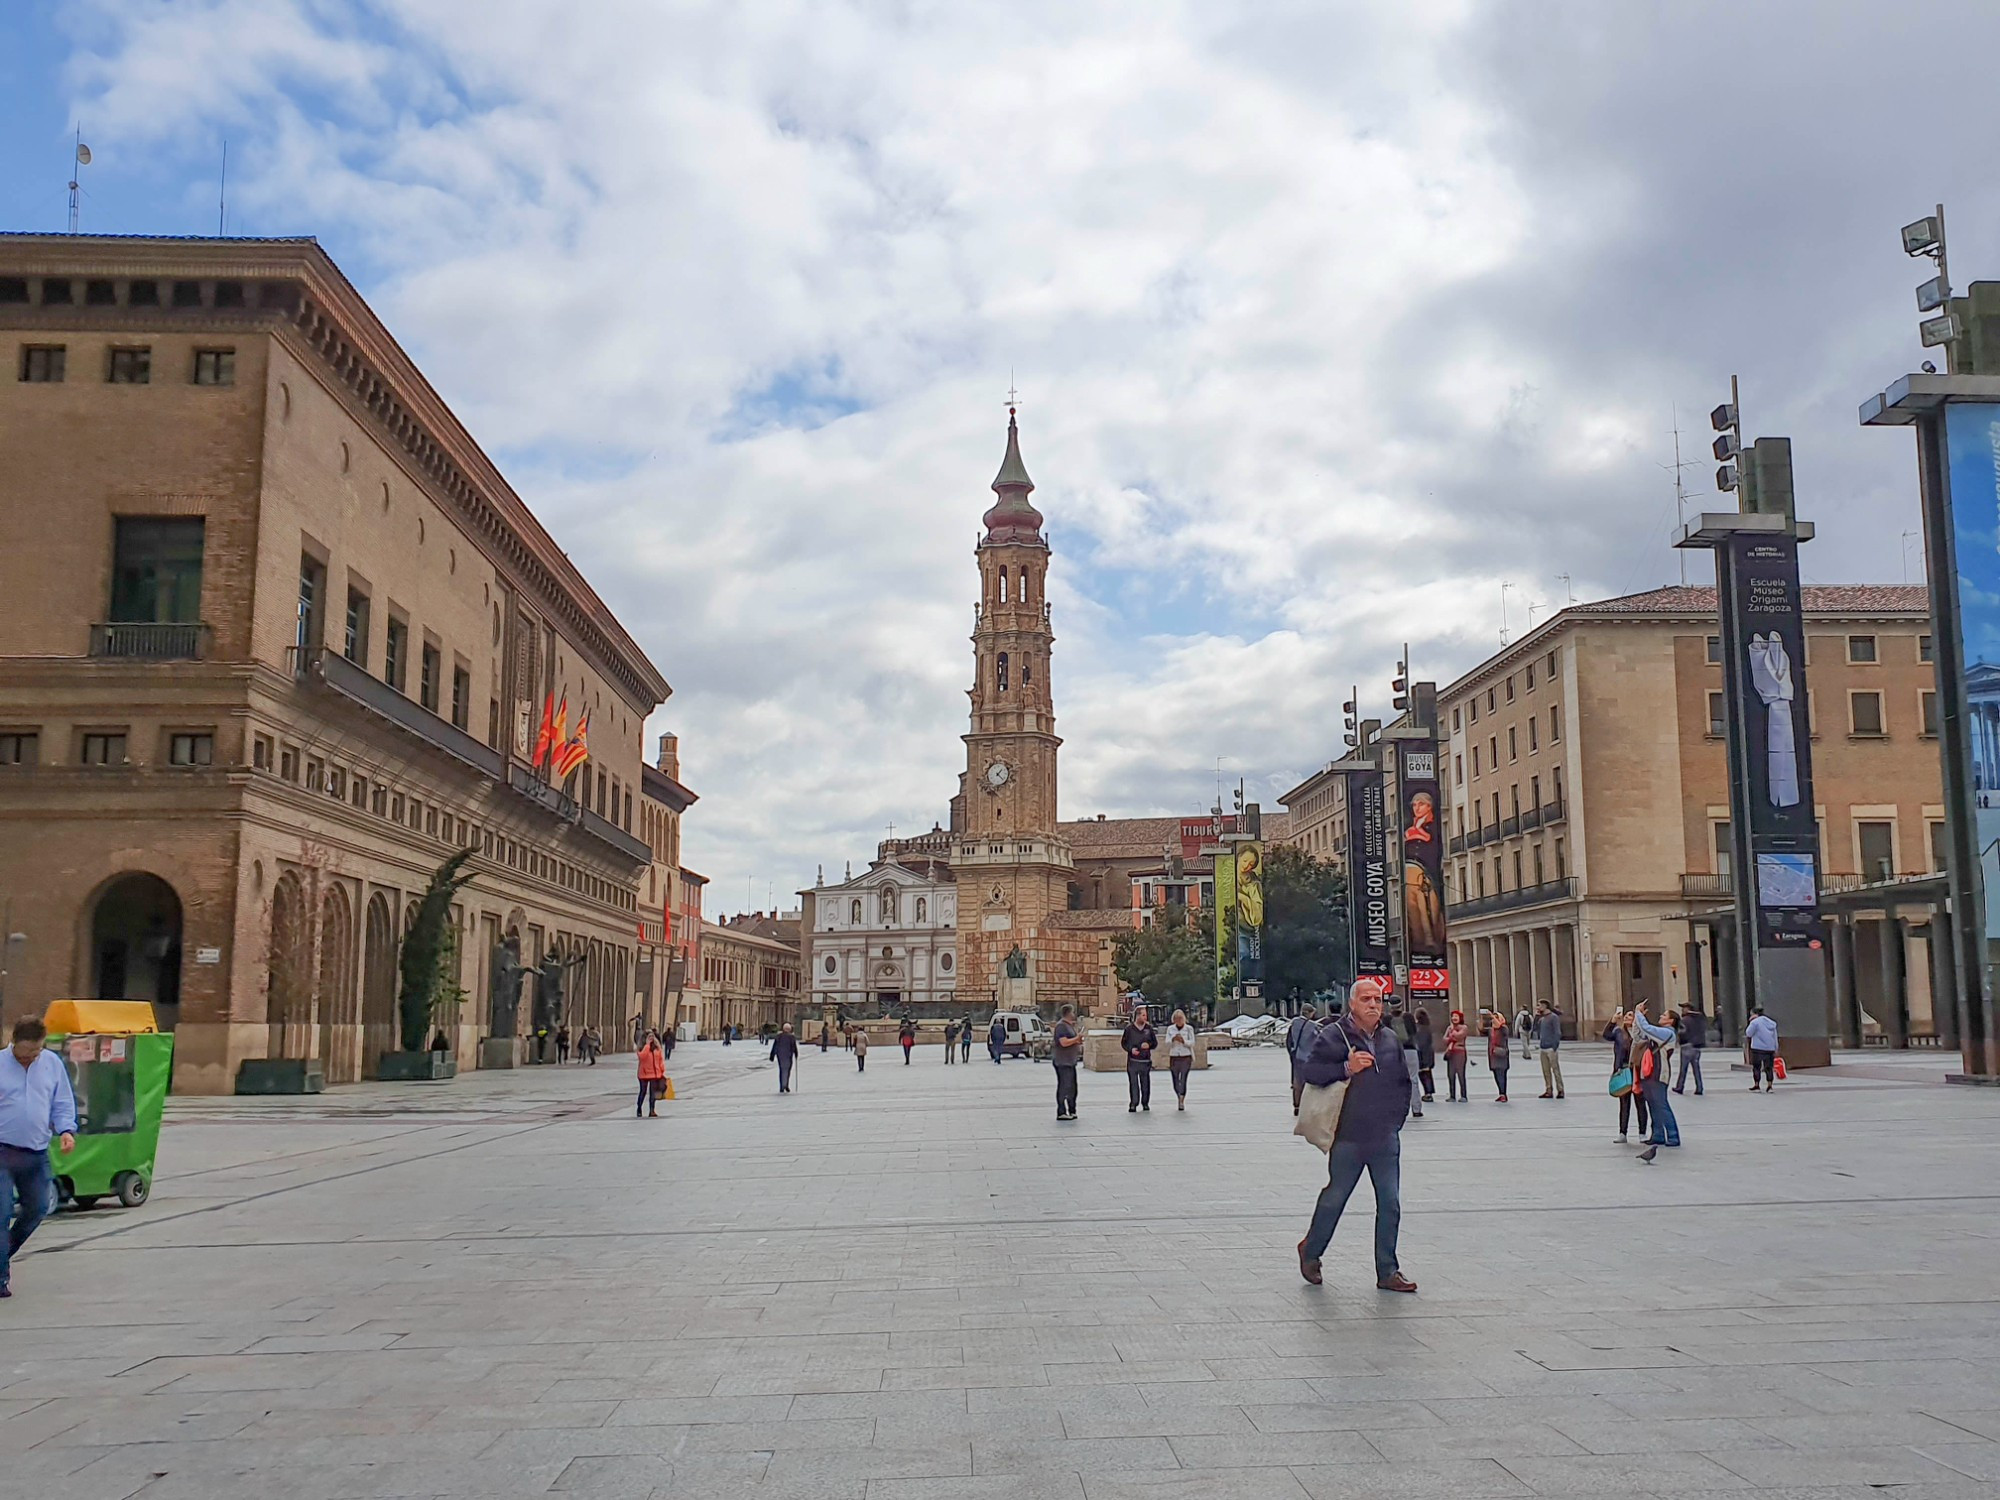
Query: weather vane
x=1013 y=396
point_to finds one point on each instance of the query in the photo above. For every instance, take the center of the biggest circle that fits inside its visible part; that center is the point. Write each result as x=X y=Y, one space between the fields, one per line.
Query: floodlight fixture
x=1723 y=417
x=1726 y=447
x=1725 y=479
x=1936 y=331
x=1924 y=236
x=1932 y=294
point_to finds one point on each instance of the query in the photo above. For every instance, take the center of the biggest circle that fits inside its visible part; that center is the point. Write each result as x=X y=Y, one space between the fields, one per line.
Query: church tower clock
x=1012 y=867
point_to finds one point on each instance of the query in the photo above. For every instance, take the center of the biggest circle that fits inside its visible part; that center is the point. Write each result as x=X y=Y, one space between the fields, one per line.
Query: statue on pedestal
x=503 y=996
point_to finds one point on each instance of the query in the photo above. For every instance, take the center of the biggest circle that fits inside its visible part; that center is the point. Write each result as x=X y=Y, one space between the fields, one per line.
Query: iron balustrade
x=150 y=640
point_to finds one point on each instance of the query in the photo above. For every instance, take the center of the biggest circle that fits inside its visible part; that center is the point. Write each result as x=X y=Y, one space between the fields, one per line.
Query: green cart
x=119 y=1065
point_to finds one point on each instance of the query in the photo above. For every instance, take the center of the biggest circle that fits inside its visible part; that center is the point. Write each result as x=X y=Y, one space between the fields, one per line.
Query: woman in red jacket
x=652 y=1075
x=1454 y=1058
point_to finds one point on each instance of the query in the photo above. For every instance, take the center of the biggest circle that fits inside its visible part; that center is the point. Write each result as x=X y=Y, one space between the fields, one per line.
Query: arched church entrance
x=288 y=1006
x=378 y=984
x=135 y=945
x=338 y=1045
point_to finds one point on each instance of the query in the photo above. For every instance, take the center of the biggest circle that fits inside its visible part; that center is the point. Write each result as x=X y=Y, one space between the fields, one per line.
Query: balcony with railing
x=150 y=640
x=318 y=664
x=1514 y=900
x=1700 y=887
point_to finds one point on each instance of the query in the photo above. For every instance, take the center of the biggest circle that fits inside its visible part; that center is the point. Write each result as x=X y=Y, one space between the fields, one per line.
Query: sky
x=1335 y=325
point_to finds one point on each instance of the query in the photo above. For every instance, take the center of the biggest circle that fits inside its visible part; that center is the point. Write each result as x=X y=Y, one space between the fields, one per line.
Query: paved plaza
x=914 y=1284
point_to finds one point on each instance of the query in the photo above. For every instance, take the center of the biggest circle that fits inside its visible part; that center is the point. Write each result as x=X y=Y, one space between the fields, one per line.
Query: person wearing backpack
x=1650 y=1048
x=1298 y=1041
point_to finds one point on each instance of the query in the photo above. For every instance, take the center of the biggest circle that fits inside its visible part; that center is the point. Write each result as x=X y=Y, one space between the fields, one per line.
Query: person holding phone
x=1180 y=1054
x=1138 y=1041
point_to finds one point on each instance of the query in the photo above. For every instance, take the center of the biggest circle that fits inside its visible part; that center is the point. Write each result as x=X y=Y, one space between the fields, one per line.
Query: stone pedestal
x=500 y=1052
x=1102 y=1052
x=416 y=1067
x=280 y=1075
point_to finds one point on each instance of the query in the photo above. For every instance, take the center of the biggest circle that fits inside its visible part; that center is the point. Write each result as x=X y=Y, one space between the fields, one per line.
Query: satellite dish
x=82 y=154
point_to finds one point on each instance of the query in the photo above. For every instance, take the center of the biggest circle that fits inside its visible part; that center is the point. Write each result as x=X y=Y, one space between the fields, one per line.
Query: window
x=1493 y=750
x=1562 y=865
x=1541 y=876
x=1513 y=745
x=20 y=748
x=427 y=682
x=260 y=752
x=1454 y=721
x=1458 y=768
x=312 y=591
x=106 y=749
x=378 y=801
x=1475 y=760
x=1473 y=709
x=461 y=696
x=1490 y=704
x=1718 y=847
x=1555 y=722
x=1864 y=713
x=1715 y=650
x=1510 y=687
x=396 y=808
x=1924 y=652
x=1550 y=664
x=1861 y=648
x=360 y=797
x=1480 y=871
x=1514 y=799
x=1535 y=792
x=395 y=659
x=1002 y=671
x=1940 y=854
x=1877 y=843
x=215 y=367
x=1528 y=685
x=923 y=906
x=156 y=569
x=193 y=749
x=336 y=783
x=354 y=643
x=1928 y=709
x=315 y=773
x=1718 y=716
x=42 y=364
x=130 y=367
x=1534 y=735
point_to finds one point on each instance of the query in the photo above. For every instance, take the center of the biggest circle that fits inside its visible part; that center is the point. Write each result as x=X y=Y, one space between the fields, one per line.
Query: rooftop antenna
x=1567 y=589
x=1680 y=492
x=1503 y=612
x=81 y=159
x=222 y=194
x=1906 y=555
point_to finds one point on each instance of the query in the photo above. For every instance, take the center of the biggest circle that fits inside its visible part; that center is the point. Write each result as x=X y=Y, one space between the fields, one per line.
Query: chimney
x=670 y=755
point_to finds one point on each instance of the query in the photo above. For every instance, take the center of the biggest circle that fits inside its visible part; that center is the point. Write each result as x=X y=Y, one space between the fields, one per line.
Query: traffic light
x=1399 y=686
x=1349 y=723
x=1729 y=447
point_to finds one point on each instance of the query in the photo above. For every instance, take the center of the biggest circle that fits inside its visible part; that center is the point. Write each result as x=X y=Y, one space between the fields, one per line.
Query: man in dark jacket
x=1694 y=1037
x=1138 y=1042
x=1549 y=1037
x=785 y=1052
x=1368 y=1056
x=1298 y=1042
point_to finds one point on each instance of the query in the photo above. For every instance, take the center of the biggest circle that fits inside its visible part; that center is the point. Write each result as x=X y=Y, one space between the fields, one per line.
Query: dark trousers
x=1139 y=1083
x=906 y=1052
x=1344 y=1164
x=1180 y=1067
x=1666 y=1129
x=1499 y=1080
x=965 y=1048
x=860 y=1061
x=1454 y=1074
x=1428 y=1078
x=1627 y=1104
x=27 y=1181
x=1065 y=1090
x=649 y=1090
x=1690 y=1060
x=1763 y=1067
x=785 y=1074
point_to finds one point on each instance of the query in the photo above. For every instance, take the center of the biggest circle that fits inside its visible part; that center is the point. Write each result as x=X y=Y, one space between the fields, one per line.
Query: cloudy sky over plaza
x=1328 y=321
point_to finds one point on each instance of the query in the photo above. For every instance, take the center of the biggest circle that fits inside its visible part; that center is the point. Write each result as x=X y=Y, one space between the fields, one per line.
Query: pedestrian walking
x=1367 y=1056
x=36 y=1104
x=652 y=1075
x=950 y=1040
x=1454 y=1059
x=1138 y=1041
x=1524 y=1027
x=825 y=1035
x=1298 y=1042
x=1410 y=1061
x=1549 y=1037
x=1694 y=1037
x=725 y=1035
x=1065 y=1052
x=965 y=1041
x=996 y=1040
x=1619 y=1034
x=667 y=1040
x=562 y=1045
x=1426 y=1056
x=860 y=1050
x=1180 y=1055
x=1762 y=1036
x=1499 y=1055
x=1651 y=1046
x=593 y=1044
x=907 y=1036
x=785 y=1052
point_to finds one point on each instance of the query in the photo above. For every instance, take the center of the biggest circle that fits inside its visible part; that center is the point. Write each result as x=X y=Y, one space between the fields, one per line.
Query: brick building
x=276 y=643
x=667 y=936
x=752 y=973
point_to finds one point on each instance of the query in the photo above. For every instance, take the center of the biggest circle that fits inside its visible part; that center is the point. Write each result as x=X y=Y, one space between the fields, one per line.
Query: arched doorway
x=378 y=984
x=289 y=960
x=135 y=945
x=335 y=989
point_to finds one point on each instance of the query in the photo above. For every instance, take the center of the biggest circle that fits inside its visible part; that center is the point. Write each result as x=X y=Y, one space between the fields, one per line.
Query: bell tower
x=1013 y=868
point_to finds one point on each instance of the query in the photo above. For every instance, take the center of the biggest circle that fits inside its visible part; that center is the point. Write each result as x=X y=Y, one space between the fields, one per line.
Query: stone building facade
x=884 y=942
x=666 y=936
x=276 y=640
x=752 y=975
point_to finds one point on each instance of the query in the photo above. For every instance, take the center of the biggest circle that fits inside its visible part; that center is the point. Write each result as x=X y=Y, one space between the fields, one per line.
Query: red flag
x=545 y=742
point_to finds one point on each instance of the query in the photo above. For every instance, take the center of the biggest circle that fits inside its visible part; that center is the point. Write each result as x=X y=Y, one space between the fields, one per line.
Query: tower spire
x=1013 y=519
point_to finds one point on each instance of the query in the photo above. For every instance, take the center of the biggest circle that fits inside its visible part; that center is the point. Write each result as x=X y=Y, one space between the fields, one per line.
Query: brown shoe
x=1308 y=1267
x=1396 y=1282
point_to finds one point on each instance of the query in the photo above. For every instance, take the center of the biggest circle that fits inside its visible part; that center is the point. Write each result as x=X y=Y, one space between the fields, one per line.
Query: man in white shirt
x=1762 y=1035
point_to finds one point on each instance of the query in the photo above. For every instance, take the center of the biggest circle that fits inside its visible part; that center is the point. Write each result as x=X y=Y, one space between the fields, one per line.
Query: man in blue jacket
x=1368 y=1056
x=35 y=1103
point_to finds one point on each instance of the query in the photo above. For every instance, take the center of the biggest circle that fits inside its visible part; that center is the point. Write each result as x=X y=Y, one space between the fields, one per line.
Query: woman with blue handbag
x=1623 y=1087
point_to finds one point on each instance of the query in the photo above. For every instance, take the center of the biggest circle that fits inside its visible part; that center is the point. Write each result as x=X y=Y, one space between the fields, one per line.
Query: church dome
x=1012 y=518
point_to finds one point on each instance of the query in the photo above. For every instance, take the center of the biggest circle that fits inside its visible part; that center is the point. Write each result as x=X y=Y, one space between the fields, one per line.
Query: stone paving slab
x=914 y=1283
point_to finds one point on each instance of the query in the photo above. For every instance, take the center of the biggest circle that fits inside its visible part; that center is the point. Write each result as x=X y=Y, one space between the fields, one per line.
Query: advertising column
x=1423 y=871
x=1250 y=923
x=1368 y=875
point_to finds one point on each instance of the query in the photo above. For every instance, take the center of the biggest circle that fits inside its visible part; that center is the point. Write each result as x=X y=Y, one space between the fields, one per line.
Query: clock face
x=997 y=774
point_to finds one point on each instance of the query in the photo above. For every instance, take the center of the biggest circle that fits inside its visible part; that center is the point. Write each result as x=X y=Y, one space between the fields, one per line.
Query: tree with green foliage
x=426 y=947
x=1171 y=961
x=1306 y=948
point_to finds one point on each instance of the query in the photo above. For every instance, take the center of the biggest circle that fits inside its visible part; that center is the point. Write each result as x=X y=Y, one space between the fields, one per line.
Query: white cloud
x=1322 y=314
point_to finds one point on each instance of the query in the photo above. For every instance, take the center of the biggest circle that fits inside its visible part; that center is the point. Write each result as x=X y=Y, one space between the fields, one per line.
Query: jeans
x=860 y=1061
x=1499 y=1080
x=1416 y=1085
x=1139 y=1083
x=1552 y=1071
x=950 y=1046
x=1690 y=1060
x=1343 y=1174
x=1180 y=1067
x=1666 y=1129
x=906 y=1052
x=27 y=1182
x=965 y=1048
x=1763 y=1067
x=1454 y=1074
x=785 y=1075
x=1065 y=1090
x=646 y=1088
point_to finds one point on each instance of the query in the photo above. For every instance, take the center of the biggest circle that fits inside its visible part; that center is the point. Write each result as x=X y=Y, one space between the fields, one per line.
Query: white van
x=1027 y=1036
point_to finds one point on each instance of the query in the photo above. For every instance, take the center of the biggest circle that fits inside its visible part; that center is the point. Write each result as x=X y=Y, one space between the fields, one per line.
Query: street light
x=1926 y=238
x=1727 y=420
x=1399 y=686
x=1349 y=723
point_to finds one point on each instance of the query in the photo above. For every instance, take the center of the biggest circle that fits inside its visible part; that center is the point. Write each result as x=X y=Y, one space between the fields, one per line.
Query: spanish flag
x=574 y=752
x=547 y=740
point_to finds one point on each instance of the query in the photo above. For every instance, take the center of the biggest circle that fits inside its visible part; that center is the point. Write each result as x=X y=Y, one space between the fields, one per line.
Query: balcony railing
x=1509 y=826
x=1514 y=900
x=149 y=640
x=1531 y=820
x=1719 y=887
x=318 y=664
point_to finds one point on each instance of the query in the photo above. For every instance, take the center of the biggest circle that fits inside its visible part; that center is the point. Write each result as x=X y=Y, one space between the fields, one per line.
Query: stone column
x=1846 y=1004
x=1563 y=957
x=1542 y=965
x=1729 y=1003
x=1944 y=981
x=1895 y=1016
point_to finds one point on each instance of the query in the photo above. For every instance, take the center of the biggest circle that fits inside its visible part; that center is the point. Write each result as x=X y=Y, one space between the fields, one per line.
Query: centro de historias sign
x=1368 y=875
